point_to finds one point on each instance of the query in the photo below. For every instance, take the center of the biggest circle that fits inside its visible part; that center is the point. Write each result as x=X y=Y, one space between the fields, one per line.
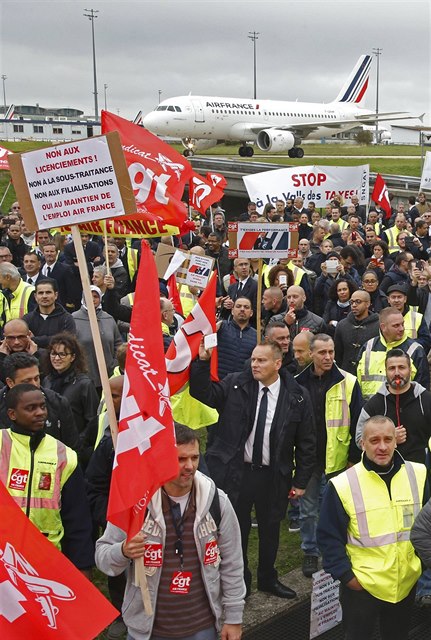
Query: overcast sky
x=305 y=51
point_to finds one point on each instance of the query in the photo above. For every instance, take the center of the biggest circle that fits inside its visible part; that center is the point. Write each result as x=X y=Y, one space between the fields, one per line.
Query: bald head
x=272 y=298
x=360 y=303
x=296 y=297
x=301 y=348
x=197 y=250
x=116 y=385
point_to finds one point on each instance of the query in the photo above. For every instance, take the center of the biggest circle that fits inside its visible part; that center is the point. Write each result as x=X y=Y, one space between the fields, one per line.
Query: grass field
x=394 y=161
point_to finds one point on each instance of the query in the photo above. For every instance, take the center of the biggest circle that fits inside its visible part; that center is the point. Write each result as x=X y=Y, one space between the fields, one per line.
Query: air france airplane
x=274 y=125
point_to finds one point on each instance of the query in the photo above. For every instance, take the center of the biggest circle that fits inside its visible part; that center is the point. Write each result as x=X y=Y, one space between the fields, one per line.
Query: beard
x=398 y=382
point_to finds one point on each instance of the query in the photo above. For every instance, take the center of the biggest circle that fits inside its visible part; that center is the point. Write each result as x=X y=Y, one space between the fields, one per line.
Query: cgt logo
x=18 y=479
x=211 y=552
x=181 y=582
x=153 y=555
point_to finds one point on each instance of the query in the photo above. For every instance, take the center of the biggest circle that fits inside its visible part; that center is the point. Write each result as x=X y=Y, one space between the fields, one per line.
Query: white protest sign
x=263 y=239
x=325 y=610
x=199 y=270
x=72 y=183
x=426 y=173
x=312 y=183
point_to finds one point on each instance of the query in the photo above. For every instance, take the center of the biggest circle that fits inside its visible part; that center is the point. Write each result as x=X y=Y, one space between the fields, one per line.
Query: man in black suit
x=244 y=287
x=58 y=271
x=31 y=270
x=264 y=448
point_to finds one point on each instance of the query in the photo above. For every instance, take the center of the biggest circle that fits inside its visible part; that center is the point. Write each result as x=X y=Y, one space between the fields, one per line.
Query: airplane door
x=199 y=112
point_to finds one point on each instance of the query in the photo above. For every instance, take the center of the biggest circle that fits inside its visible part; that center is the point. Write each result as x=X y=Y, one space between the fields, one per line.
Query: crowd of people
x=322 y=411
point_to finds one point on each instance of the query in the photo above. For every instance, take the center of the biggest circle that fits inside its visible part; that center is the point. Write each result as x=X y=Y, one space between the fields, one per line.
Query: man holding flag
x=190 y=544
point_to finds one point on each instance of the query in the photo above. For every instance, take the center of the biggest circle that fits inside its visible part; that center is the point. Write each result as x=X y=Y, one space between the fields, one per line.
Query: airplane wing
x=304 y=129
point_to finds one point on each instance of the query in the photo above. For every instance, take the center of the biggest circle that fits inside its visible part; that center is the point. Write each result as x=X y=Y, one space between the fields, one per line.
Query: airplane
x=274 y=125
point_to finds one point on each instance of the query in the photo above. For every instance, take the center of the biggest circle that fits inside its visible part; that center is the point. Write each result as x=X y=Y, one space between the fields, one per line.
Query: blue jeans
x=205 y=634
x=309 y=506
x=423 y=587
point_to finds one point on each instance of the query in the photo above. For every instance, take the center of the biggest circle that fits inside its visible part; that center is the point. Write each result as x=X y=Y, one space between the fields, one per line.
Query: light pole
x=91 y=15
x=105 y=86
x=377 y=52
x=253 y=35
x=160 y=93
x=4 y=78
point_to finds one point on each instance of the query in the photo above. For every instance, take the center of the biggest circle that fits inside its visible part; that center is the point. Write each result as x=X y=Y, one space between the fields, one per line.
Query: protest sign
x=4 y=153
x=189 y=268
x=426 y=173
x=262 y=239
x=73 y=183
x=319 y=184
x=325 y=610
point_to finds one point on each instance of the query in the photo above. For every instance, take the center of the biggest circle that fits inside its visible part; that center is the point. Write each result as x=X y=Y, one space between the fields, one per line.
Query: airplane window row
x=276 y=113
x=164 y=107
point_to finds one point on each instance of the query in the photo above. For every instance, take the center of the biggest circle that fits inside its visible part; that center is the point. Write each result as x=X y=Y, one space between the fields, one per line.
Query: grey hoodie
x=223 y=580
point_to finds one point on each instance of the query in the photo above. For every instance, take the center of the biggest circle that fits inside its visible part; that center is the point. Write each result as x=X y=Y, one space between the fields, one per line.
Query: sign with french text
x=319 y=184
x=426 y=173
x=325 y=612
x=73 y=183
x=263 y=239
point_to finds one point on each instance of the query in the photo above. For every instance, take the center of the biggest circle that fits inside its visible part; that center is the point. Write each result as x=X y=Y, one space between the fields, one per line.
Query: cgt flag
x=42 y=594
x=380 y=196
x=185 y=345
x=4 y=164
x=203 y=193
x=158 y=173
x=146 y=440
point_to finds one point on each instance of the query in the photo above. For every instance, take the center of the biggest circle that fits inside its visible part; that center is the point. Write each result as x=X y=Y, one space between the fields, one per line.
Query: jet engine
x=275 y=140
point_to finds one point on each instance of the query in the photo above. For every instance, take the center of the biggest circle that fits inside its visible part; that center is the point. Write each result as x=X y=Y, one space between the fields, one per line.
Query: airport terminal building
x=33 y=122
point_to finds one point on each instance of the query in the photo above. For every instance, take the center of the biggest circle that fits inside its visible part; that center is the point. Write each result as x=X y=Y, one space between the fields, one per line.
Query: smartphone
x=354 y=235
x=419 y=265
x=282 y=279
x=331 y=265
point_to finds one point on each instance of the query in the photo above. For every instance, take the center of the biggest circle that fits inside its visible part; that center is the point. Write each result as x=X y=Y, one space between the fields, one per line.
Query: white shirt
x=273 y=393
x=45 y=268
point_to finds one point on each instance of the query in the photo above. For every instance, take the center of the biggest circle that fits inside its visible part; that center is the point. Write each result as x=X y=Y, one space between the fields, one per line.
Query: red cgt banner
x=42 y=594
x=158 y=173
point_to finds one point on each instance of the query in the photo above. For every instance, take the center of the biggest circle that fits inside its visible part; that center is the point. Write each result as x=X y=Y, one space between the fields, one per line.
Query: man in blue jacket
x=236 y=338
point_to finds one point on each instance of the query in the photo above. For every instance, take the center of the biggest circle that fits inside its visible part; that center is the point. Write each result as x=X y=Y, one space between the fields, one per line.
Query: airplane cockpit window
x=178 y=109
x=171 y=108
x=162 y=108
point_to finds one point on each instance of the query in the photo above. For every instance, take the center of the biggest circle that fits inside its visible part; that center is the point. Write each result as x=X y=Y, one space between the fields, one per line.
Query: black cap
x=401 y=287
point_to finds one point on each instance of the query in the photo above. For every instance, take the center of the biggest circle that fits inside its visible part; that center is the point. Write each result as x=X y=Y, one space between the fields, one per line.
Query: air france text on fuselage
x=227 y=105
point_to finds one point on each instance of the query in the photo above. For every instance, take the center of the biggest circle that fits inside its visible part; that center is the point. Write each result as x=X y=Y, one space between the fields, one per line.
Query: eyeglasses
x=369 y=281
x=13 y=338
x=353 y=302
x=60 y=354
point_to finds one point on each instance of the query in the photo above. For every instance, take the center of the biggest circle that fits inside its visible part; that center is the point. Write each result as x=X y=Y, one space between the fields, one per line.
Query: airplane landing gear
x=296 y=152
x=245 y=151
x=187 y=153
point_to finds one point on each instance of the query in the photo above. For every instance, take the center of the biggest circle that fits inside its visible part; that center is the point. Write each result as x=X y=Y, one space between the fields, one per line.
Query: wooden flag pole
x=105 y=240
x=259 y=301
x=141 y=581
x=94 y=327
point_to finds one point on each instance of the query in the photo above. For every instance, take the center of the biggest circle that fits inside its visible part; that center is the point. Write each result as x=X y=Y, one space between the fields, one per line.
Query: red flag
x=185 y=345
x=42 y=594
x=146 y=440
x=380 y=196
x=158 y=173
x=4 y=164
x=202 y=193
x=174 y=295
x=217 y=180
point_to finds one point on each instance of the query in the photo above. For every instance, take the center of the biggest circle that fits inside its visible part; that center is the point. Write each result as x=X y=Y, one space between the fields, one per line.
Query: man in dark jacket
x=352 y=332
x=49 y=317
x=222 y=262
x=298 y=318
x=21 y=368
x=236 y=338
x=264 y=436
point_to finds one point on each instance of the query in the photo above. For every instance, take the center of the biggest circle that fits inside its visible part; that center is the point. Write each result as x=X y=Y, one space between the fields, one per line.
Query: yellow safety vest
x=412 y=322
x=378 y=533
x=132 y=261
x=371 y=372
x=392 y=234
x=341 y=223
x=35 y=482
x=18 y=305
x=337 y=416
x=298 y=273
x=188 y=300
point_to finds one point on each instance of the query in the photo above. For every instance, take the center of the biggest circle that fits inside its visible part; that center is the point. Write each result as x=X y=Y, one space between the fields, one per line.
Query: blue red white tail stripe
x=357 y=84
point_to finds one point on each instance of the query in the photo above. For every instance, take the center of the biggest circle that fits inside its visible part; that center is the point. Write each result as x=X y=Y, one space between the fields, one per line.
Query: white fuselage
x=212 y=118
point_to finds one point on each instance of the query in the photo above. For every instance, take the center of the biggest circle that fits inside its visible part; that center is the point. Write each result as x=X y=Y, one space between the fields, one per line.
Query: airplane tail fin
x=138 y=118
x=9 y=113
x=356 y=86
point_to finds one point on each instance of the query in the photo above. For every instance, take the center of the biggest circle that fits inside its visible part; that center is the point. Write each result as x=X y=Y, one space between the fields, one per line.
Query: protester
x=50 y=477
x=182 y=519
x=364 y=531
